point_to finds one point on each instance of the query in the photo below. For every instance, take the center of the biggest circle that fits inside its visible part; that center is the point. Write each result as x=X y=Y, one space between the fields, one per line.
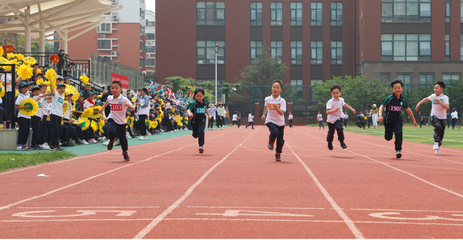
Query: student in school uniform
x=290 y=120
x=24 y=121
x=197 y=111
x=56 y=115
x=250 y=120
x=320 y=120
x=89 y=103
x=144 y=105
x=36 y=120
x=43 y=138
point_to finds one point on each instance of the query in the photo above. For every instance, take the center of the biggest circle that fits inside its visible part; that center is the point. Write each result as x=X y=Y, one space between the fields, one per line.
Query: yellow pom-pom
x=10 y=55
x=2 y=89
x=1 y=51
x=94 y=126
x=72 y=90
x=83 y=122
x=32 y=105
x=96 y=112
x=40 y=81
x=153 y=124
x=16 y=94
x=134 y=99
x=51 y=76
x=129 y=121
x=65 y=107
x=101 y=124
x=31 y=61
x=87 y=113
x=84 y=79
x=25 y=72
x=20 y=57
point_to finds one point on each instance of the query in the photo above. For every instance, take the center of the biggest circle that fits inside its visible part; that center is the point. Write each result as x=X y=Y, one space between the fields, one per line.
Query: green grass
x=18 y=160
x=452 y=138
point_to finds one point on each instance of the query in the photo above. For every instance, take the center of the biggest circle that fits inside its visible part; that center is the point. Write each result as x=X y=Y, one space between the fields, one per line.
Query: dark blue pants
x=141 y=125
x=277 y=133
x=23 y=132
x=394 y=127
x=36 y=130
x=291 y=123
x=336 y=126
x=55 y=129
x=455 y=122
x=2 y=111
x=439 y=133
x=44 y=131
x=113 y=129
x=250 y=124
x=320 y=125
x=198 y=131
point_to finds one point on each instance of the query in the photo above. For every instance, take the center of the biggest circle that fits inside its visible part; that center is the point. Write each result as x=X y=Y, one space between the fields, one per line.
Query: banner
x=121 y=78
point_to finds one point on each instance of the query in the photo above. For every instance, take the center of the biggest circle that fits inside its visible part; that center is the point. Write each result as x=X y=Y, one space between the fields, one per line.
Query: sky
x=150 y=5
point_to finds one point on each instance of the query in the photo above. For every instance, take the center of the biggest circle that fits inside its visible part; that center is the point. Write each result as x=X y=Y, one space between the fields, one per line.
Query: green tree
x=230 y=90
x=359 y=92
x=189 y=84
x=454 y=92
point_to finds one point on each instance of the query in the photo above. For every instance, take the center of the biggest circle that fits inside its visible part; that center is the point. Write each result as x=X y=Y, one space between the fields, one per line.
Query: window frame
x=98 y=28
x=406 y=43
x=298 y=85
x=426 y=80
x=336 y=60
x=276 y=13
x=420 y=17
x=318 y=50
x=258 y=12
x=296 y=52
x=335 y=21
x=275 y=48
x=209 y=46
x=257 y=48
x=312 y=93
x=297 y=10
x=316 y=14
x=216 y=20
x=105 y=49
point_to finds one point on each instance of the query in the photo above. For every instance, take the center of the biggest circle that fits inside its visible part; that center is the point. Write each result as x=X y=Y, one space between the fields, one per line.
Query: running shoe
x=278 y=157
x=398 y=154
x=435 y=146
x=110 y=145
x=270 y=144
x=126 y=156
x=343 y=145
x=330 y=145
x=201 y=149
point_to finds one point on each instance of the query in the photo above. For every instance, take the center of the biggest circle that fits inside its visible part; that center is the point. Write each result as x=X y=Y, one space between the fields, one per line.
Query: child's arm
x=190 y=114
x=333 y=110
x=277 y=107
x=264 y=113
x=101 y=110
x=380 y=114
x=129 y=105
x=421 y=102
x=52 y=90
x=410 y=113
x=446 y=106
x=347 y=106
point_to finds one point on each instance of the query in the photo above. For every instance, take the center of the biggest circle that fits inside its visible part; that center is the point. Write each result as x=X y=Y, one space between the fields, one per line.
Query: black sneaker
x=398 y=154
x=330 y=145
x=52 y=148
x=343 y=145
x=111 y=144
x=270 y=145
x=278 y=157
x=58 y=148
x=126 y=156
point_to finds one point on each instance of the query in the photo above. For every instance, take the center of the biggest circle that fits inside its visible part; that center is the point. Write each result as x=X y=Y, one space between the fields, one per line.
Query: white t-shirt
x=272 y=114
x=20 y=98
x=212 y=111
x=235 y=117
x=436 y=109
x=45 y=106
x=250 y=118
x=39 y=113
x=455 y=114
x=290 y=117
x=118 y=109
x=144 y=110
x=68 y=112
x=57 y=105
x=332 y=104
x=320 y=117
x=88 y=104
x=8 y=80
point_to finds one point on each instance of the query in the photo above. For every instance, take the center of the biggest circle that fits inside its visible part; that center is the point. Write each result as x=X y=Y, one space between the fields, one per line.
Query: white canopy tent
x=38 y=20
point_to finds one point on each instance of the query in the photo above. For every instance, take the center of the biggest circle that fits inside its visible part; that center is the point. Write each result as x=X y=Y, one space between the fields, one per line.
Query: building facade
x=383 y=39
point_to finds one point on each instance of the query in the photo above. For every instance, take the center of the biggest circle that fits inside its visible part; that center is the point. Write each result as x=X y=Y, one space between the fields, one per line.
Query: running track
x=236 y=190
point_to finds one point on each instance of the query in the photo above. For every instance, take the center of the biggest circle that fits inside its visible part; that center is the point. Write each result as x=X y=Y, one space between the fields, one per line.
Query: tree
x=359 y=92
x=453 y=91
x=189 y=84
x=257 y=78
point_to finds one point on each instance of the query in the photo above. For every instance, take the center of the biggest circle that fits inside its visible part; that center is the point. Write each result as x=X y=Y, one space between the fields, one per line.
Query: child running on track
x=335 y=116
x=290 y=120
x=440 y=105
x=320 y=120
x=393 y=119
x=197 y=111
x=250 y=120
x=116 y=119
x=275 y=120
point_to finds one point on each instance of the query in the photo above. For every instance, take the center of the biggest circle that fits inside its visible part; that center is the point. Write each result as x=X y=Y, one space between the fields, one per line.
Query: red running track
x=237 y=190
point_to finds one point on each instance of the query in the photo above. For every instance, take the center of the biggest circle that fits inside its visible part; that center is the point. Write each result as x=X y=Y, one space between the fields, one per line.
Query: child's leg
x=112 y=130
x=331 y=129
x=22 y=134
x=200 y=133
x=35 y=122
x=388 y=131
x=274 y=132
x=439 y=134
x=55 y=123
x=398 y=135
x=44 y=131
x=252 y=123
x=280 y=140
x=339 y=130
x=129 y=129
x=122 y=138
x=195 y=129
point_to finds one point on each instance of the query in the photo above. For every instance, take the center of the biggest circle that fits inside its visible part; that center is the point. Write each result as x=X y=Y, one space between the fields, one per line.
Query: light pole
x=216 y=52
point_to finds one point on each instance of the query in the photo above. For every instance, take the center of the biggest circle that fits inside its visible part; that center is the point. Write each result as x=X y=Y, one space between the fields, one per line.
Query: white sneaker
x=104 y=143
x=117 y=143
x=436 y=146
x=142 y=138
x=45 y=146
x=84 y=142
x=129 y=137
x=437 y=151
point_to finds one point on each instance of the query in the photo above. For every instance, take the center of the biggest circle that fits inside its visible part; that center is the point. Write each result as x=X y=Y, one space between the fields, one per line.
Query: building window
x=296 y=84
x=312 y=92
x=142 y=47
x=296 y=13
x=316 y=13
x=447 y=47
x=447 y=11
x=150 y=49
x=276 y=50
x=256 y=13
x=316 y=52
x=406 y=79
x=142 y=30
x=104 y=44
x=448 y=77
x=336 y=14
x=405 y=10
x=210 y=13
x=256 y=50
x=150 y=36
x=296 y=52
x=205 y=52
x=336 y=52
x=385 y=78
x=276 y=13
x=405 y=47
x=150 y=62
x=104 y=28
x=151 y=24
x=142 y=63
x=425 y=79
x=461 y=12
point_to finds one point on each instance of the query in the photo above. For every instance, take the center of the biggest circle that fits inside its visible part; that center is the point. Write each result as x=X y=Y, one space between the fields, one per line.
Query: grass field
x=452 y=138
x=22 y=159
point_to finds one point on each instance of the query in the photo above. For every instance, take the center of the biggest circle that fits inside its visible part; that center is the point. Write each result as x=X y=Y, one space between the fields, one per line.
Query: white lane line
x=161 y=217
x=295 y=208
x=89 y=207
x=335 y=206
x=404 y=210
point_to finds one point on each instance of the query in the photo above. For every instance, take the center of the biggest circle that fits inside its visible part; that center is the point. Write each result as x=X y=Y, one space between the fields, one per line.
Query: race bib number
x=396 y=108
x=116 y=107
x=201 y=110
x=273 y=106
x=434 y=101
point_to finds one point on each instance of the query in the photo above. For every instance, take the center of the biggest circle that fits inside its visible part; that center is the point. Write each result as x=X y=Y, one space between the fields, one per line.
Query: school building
x=415 y=40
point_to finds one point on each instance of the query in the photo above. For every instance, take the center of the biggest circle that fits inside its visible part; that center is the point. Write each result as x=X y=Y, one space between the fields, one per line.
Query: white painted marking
x=404 y=210
x=386 y=215
x=236 y=213
x=159 y=218
x=81 y=213
x=90 y=207
x=335 y=206
x=231 y=207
